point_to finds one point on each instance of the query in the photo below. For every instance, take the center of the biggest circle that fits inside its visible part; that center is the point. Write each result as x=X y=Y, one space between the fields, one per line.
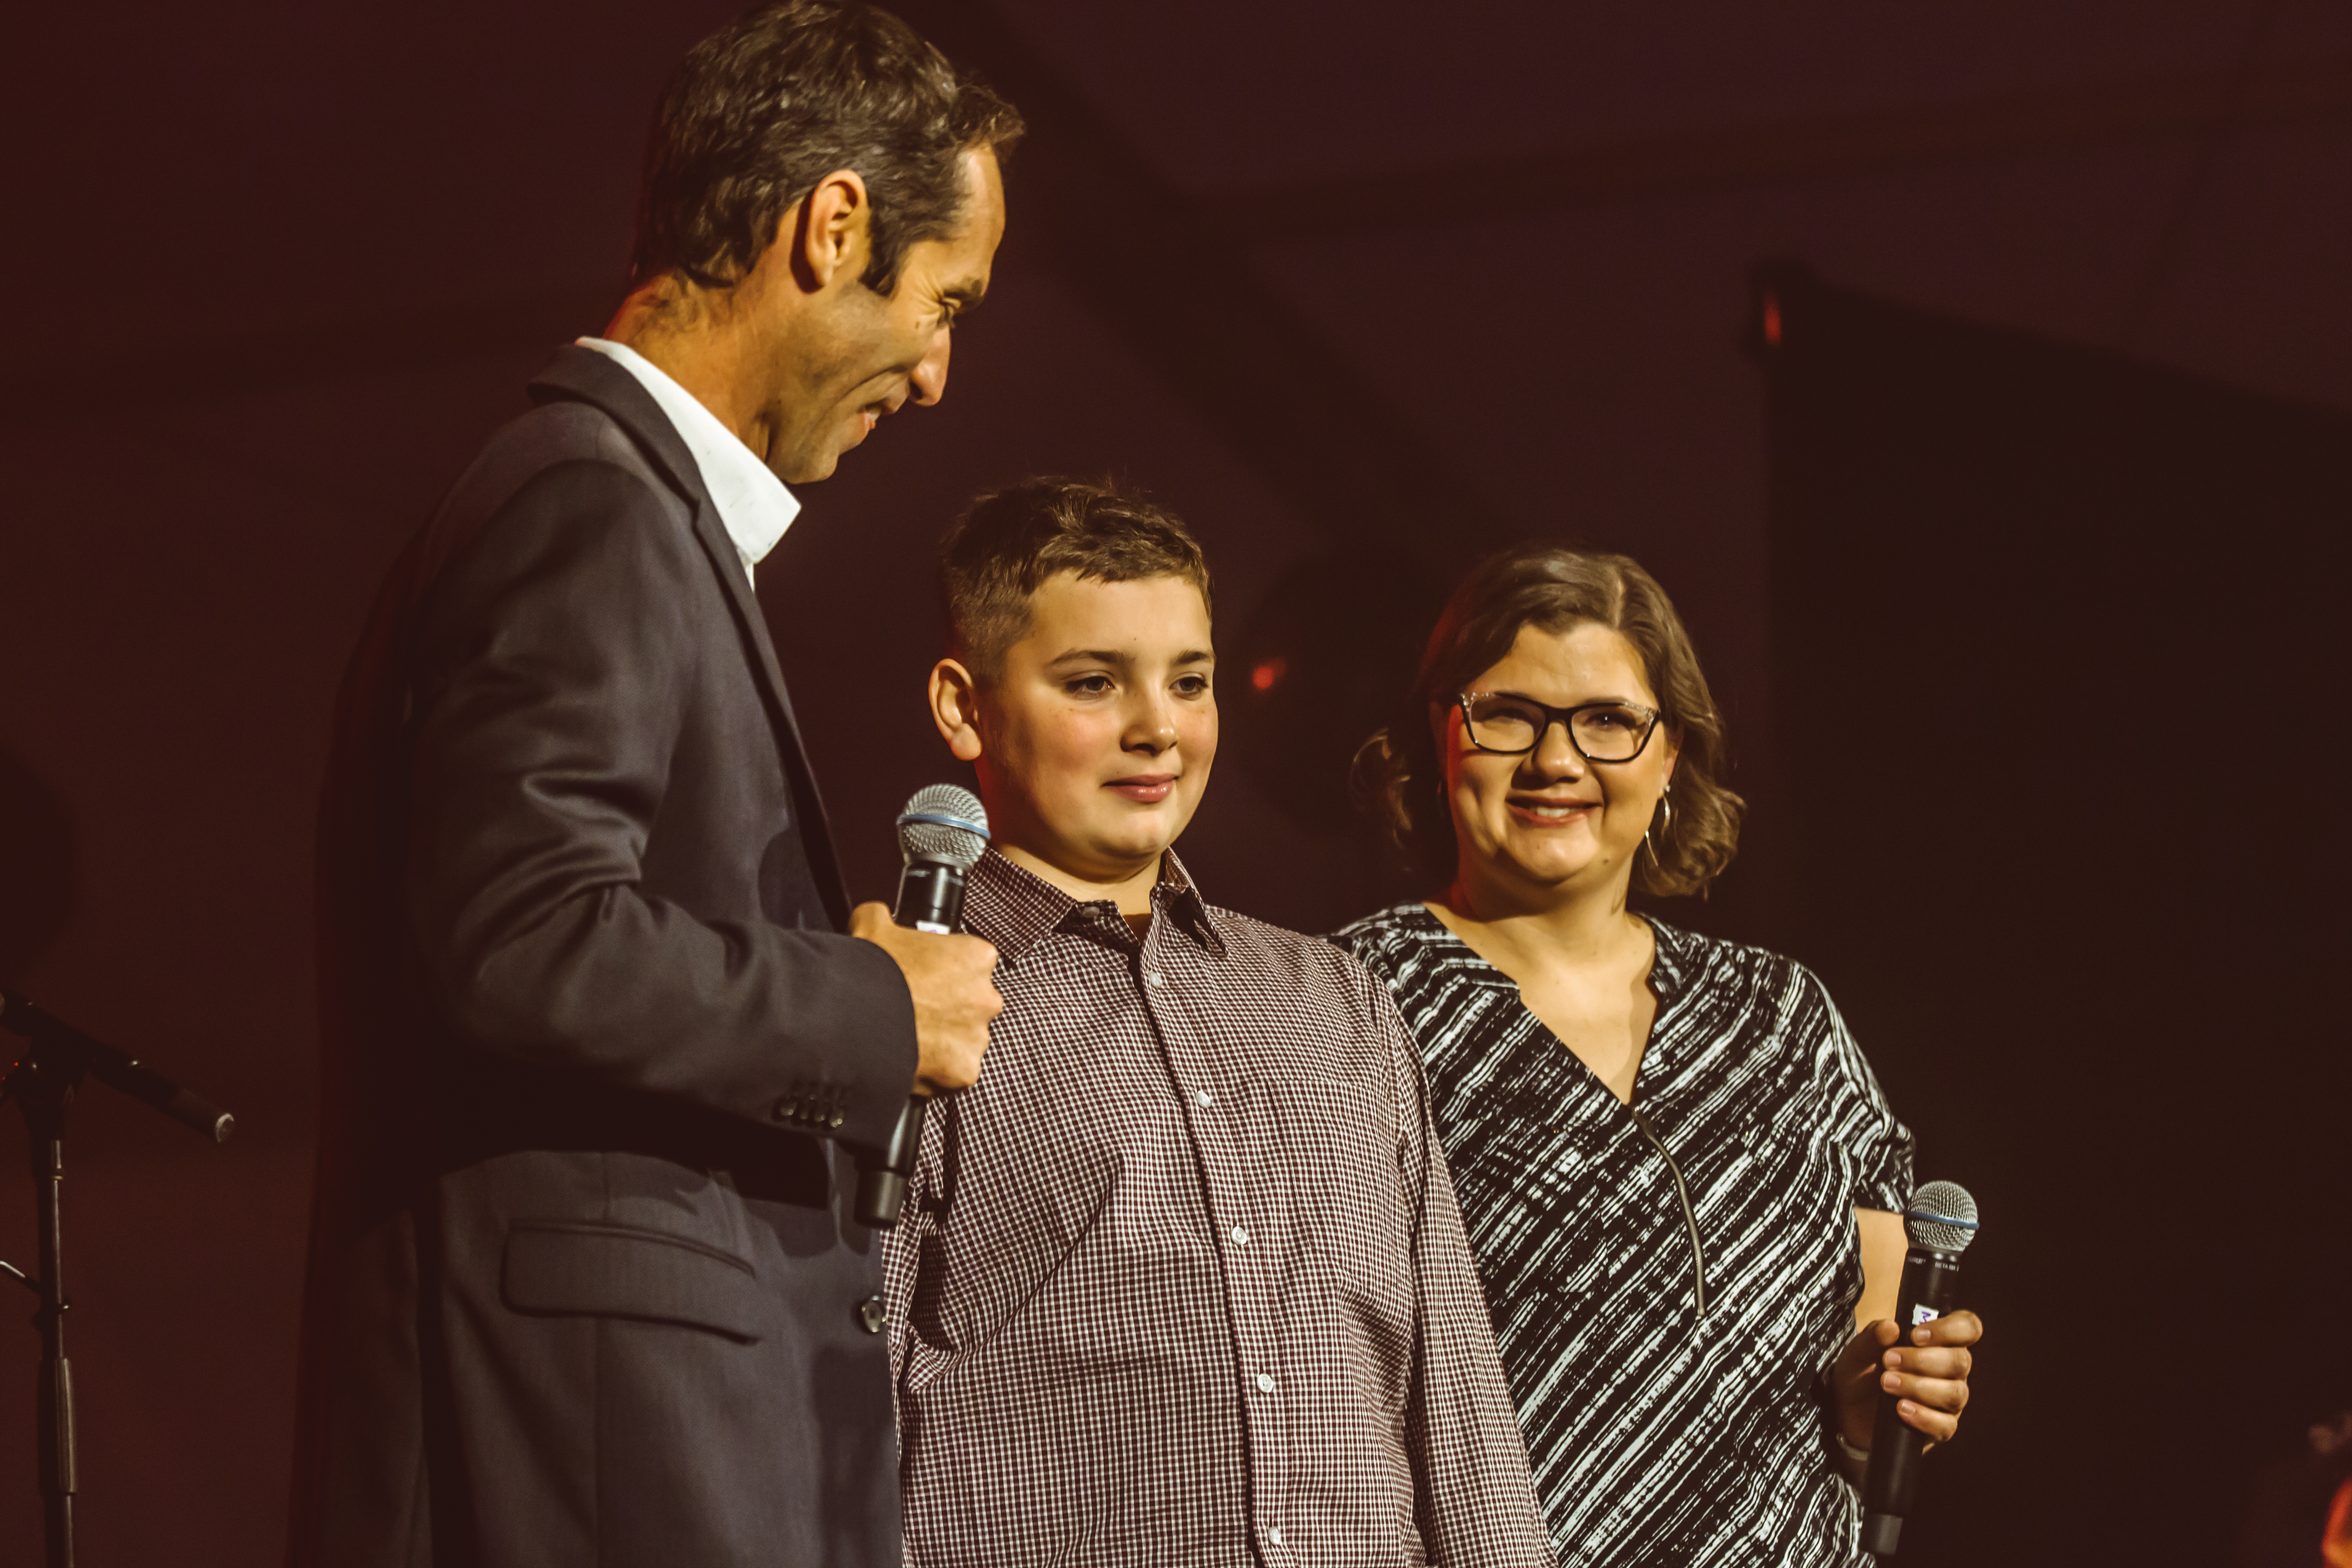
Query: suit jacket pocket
x=574 y=1269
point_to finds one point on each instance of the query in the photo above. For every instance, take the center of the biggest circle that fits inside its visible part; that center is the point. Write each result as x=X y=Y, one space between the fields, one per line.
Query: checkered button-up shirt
x=1181 y=1278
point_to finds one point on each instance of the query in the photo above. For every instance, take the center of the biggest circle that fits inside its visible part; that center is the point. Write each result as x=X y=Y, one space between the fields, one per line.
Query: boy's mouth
x=1144 y=789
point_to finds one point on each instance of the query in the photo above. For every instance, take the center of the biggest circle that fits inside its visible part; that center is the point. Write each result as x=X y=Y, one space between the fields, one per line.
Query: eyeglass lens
x=1604 y=732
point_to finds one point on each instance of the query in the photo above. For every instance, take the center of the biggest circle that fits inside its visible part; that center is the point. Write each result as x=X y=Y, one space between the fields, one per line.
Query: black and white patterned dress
x=1660 y=1432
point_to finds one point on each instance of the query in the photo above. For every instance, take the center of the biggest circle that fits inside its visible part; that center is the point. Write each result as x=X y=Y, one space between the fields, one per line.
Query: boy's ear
x=955 y=708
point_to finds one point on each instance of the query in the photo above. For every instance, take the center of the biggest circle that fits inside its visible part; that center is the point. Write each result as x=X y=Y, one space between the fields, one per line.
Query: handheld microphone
x=942 y=834
x=1942 y=1221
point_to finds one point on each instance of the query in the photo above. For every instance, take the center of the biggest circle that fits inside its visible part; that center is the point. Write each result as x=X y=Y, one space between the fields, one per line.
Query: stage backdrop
x=2053 y=804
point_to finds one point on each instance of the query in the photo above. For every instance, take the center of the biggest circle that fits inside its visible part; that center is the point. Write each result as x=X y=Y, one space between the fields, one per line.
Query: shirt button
x=1155 y=979
x=1241 y=1236
x=1204 y=1096
x=1266 y=1382
x=1275 y=1536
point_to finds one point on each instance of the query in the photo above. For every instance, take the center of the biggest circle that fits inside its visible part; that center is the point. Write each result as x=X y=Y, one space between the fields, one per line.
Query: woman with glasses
x=1682 y=1181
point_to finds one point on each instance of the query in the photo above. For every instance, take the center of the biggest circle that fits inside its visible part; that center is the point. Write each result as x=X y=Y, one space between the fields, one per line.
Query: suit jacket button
x=870 y=1316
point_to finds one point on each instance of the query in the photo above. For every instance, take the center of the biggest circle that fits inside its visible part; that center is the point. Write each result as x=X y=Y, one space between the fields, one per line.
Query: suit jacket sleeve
x=554 y=659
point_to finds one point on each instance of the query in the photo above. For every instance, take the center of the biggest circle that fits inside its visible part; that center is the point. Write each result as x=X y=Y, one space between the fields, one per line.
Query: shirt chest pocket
x=1324 y=1163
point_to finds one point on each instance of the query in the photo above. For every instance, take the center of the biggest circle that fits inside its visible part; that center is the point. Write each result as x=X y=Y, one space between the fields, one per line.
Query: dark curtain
x=2051 y=799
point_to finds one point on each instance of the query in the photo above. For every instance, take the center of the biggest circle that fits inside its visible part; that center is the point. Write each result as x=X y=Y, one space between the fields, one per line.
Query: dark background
x=1360 y=290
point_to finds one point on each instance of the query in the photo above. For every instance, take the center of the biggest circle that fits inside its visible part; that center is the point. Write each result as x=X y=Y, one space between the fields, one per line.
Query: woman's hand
x=1930 y=1374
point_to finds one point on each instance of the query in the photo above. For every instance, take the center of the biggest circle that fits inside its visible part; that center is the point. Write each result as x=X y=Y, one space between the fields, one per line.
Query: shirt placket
x=1221 y=1144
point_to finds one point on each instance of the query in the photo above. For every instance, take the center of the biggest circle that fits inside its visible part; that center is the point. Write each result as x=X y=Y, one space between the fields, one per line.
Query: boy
x=1181 y=1279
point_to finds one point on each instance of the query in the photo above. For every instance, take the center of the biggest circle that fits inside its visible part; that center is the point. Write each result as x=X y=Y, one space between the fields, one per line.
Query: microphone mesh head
x=1941 y=1215
x=944 y=822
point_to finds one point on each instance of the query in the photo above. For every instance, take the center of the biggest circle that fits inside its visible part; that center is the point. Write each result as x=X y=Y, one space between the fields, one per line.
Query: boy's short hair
x=1009 y=541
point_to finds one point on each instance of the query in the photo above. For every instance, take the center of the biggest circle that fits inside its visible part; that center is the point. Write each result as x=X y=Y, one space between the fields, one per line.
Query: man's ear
x=830 y=231
x=955 y=708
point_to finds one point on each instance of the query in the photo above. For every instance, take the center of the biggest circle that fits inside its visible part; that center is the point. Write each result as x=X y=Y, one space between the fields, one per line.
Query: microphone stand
x=42 y=1081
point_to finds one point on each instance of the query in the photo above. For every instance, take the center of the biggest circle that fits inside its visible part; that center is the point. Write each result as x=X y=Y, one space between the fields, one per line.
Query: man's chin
x=810 y=468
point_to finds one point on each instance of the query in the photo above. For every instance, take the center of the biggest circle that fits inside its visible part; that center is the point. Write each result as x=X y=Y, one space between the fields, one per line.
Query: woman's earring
x=1666 y=810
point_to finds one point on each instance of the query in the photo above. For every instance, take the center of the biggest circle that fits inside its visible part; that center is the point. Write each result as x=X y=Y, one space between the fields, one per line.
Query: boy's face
x=1094 y=742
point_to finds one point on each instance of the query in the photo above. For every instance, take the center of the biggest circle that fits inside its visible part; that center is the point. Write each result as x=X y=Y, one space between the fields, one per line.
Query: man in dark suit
x=598 y=1020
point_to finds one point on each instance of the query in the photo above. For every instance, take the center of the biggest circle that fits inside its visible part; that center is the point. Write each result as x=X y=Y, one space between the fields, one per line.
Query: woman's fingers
x=1936 y=1363
x=1952 y=1329
x=1929 y=1376
x=1947 y=1394
x=1938 y=1426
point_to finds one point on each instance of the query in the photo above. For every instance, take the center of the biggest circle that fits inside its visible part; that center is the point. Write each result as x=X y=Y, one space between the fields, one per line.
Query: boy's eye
x=1192 y=685
x=1088 y=685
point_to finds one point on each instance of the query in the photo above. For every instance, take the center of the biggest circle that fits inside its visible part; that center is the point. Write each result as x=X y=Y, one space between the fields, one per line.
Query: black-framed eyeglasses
x=1512 y=726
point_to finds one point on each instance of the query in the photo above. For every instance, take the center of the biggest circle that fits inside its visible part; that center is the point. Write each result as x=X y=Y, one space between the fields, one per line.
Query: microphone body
x=930 y=898
x=1941 y=1221
x=942 y=834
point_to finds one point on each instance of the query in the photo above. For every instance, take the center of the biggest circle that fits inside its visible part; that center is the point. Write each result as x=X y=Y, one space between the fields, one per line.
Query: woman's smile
x=1544 y=811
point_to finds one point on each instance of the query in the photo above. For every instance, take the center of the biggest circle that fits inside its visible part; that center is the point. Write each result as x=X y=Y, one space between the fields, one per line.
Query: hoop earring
x=1666 y=807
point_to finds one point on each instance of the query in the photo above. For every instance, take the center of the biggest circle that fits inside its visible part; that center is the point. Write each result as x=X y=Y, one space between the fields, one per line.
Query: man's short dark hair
x=1009 y=541
x=759 y=111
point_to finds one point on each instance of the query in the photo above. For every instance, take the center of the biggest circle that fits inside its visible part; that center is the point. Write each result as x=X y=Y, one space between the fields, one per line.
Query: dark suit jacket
x=584 y=1287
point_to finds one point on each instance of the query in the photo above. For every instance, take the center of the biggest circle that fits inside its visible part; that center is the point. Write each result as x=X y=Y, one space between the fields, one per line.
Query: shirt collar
x=752 y=503
x=1671 y=969
x=1676 y=955
x=1015 y=908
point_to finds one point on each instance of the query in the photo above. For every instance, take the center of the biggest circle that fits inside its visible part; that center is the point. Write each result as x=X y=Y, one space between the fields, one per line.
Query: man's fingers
x=949 y=978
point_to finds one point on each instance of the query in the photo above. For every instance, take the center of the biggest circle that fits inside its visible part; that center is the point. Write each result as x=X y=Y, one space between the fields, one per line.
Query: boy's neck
x=1131 y=894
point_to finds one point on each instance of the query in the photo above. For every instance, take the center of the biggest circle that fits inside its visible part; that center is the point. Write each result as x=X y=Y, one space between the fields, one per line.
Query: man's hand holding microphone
x=955 y=1000
x=942 y=834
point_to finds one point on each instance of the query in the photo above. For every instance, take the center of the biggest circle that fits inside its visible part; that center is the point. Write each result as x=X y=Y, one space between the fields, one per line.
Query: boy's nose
x=1152 y=730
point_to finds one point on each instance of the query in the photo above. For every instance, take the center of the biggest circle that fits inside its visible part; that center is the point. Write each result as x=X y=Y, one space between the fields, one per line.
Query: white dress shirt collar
x=753 y=502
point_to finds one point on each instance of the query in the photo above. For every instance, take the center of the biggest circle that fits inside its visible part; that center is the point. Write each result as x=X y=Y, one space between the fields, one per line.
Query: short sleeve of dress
x=1855 y=1115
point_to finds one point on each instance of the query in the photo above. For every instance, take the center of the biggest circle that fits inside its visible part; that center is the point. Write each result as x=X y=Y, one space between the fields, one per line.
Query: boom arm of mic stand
x=70 y=1049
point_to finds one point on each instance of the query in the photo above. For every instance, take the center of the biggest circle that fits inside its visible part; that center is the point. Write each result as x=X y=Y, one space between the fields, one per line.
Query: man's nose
x=929 y=381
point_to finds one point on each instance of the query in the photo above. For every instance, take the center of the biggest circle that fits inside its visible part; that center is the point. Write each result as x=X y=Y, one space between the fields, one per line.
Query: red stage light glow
x=1267 y=672
x=1773 y=319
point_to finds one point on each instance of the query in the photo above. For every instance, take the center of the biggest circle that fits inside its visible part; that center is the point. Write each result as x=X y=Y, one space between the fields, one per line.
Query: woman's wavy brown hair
x=1401 y=779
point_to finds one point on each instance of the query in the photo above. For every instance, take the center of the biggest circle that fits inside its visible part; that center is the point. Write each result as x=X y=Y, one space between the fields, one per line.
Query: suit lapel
x=589 y=377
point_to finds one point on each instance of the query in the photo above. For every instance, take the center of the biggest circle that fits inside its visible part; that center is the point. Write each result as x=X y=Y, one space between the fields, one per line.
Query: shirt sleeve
x=904 y=1249
x=1475 y=1498
x=1854 y=1109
